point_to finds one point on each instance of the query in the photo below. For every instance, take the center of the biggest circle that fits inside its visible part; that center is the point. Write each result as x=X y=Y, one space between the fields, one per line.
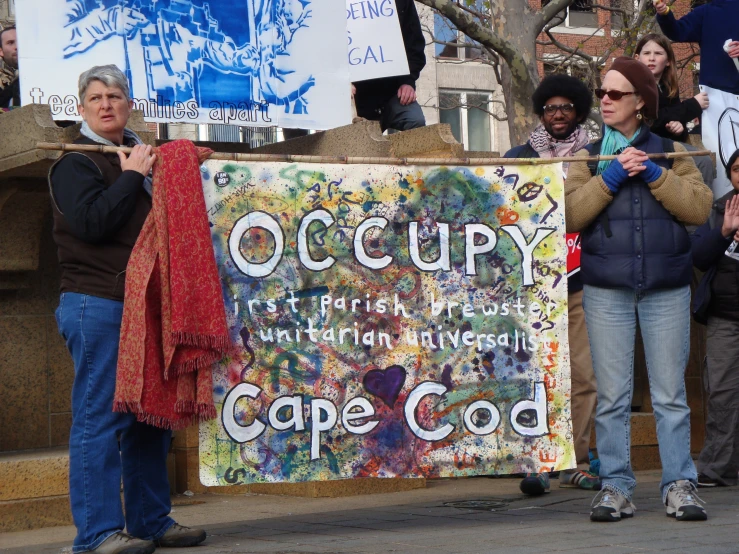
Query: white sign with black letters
x=376 y=47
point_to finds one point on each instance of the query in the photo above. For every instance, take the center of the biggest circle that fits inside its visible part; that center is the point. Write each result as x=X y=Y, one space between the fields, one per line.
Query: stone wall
x=36 y=369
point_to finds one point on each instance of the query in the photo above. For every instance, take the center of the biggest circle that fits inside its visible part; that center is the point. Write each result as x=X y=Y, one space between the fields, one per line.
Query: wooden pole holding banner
x=226 y=156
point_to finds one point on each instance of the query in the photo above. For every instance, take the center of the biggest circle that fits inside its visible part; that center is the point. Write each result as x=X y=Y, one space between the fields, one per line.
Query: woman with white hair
x=100 y=203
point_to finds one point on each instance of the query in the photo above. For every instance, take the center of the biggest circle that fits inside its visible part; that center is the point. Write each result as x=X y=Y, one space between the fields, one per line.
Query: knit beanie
x=642 y=80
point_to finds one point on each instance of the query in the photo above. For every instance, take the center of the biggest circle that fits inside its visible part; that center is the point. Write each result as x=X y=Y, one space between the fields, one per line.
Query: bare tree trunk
x=509 y=28
x=518 y=89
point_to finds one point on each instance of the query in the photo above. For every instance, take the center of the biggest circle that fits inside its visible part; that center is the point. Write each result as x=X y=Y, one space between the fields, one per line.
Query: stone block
x=186 y=438
x=22 y=218
x=643 y=429
x=645 y=457
x=359 y=139
x=20 y=515
x=22 y=128
x=187 y=471
x=59 y=428
x=433 y=141
x=34 y=475
x=24 y=410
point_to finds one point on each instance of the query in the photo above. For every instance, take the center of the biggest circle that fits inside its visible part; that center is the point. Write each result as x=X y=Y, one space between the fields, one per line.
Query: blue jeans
x=91 y=328
x=664 y=319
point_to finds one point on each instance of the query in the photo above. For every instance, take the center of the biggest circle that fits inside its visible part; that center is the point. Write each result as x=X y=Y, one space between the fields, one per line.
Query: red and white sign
x=573 y=253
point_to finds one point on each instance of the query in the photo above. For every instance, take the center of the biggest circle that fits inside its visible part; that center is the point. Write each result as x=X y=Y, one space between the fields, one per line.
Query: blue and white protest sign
x=238 y=62
x=376 y=47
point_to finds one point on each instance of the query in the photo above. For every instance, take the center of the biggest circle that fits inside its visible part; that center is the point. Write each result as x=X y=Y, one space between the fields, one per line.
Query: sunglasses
x=566 y=109
x=612 y=94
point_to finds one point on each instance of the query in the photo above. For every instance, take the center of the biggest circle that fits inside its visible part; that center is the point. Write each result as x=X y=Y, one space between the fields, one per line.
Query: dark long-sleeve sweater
x=93 y=211
x=674 y=109
x=710 y=25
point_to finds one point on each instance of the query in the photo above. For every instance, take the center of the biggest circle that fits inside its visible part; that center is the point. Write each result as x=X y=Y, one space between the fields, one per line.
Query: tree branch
x=548 y=13
x=466 y=23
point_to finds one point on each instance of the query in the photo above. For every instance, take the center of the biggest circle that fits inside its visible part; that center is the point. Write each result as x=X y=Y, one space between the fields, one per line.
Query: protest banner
x=720 y=133
x=278 y=62
x=376 y=47
x=389 y=321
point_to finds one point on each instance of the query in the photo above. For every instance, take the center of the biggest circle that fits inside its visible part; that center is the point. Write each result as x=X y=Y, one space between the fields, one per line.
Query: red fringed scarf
x=174 y=319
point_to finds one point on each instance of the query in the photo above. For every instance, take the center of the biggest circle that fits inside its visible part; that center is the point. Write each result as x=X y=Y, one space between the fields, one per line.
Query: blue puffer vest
x=635 y=242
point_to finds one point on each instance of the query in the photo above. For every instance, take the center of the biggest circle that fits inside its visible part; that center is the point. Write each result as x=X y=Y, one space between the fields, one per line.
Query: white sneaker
x=611 y=505
x=683 y=502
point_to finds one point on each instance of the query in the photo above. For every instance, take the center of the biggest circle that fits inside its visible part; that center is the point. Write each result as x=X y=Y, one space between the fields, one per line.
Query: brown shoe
x=122 y=543
x=179 y=536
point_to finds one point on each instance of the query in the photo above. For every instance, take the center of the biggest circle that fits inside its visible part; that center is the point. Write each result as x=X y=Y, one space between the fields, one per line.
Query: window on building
x=458 y=45
x=254 y=136
x=468 y=115
x=579 y=14
x=444 y=31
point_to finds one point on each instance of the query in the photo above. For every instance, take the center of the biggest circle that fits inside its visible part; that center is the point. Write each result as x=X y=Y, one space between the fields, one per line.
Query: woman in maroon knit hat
x=636 y=266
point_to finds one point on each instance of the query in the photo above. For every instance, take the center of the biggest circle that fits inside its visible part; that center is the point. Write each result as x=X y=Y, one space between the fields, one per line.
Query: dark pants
x=393 y=115
x=719 y=458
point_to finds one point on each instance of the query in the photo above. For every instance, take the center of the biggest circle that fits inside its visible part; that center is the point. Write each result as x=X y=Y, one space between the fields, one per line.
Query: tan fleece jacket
x=680 y=190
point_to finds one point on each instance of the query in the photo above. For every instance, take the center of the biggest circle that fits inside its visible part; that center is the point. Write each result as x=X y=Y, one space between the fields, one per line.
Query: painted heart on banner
x=385 y=384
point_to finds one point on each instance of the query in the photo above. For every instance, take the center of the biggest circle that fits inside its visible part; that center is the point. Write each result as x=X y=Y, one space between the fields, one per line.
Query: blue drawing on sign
x=210 y=52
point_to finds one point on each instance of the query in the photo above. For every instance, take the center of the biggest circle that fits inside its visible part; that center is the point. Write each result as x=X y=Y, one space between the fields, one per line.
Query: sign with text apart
x=376 y=47
x=270 y=63
x=389 y=321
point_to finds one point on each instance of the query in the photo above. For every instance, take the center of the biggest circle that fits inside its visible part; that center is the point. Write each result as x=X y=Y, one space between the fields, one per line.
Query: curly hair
x=567 y=87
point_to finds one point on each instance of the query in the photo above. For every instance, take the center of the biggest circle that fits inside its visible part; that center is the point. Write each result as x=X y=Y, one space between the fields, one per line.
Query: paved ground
x=450 y=516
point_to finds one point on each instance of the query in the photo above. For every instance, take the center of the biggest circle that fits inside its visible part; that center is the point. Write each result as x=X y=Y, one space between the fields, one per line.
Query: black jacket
x=373 y=94
x=718 y=292
x=99 y=211
x=674 y=109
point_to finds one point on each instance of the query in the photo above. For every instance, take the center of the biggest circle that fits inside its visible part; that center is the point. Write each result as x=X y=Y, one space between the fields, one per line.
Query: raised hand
x=731 y=217
x=661 y=7
x=141 y=159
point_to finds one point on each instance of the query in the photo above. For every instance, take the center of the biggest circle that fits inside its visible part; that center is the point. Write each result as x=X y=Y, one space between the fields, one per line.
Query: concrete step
x=34 y=485
x=34 y=490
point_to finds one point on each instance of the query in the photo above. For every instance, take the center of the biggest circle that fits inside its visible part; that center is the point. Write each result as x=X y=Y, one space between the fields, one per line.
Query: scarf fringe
x=127 y=406
x=203 y=361
x=206 y=412
x=207 y=342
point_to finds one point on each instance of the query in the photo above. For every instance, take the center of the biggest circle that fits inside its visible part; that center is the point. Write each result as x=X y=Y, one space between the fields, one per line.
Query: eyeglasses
x=566 y=109
x=612 y=94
